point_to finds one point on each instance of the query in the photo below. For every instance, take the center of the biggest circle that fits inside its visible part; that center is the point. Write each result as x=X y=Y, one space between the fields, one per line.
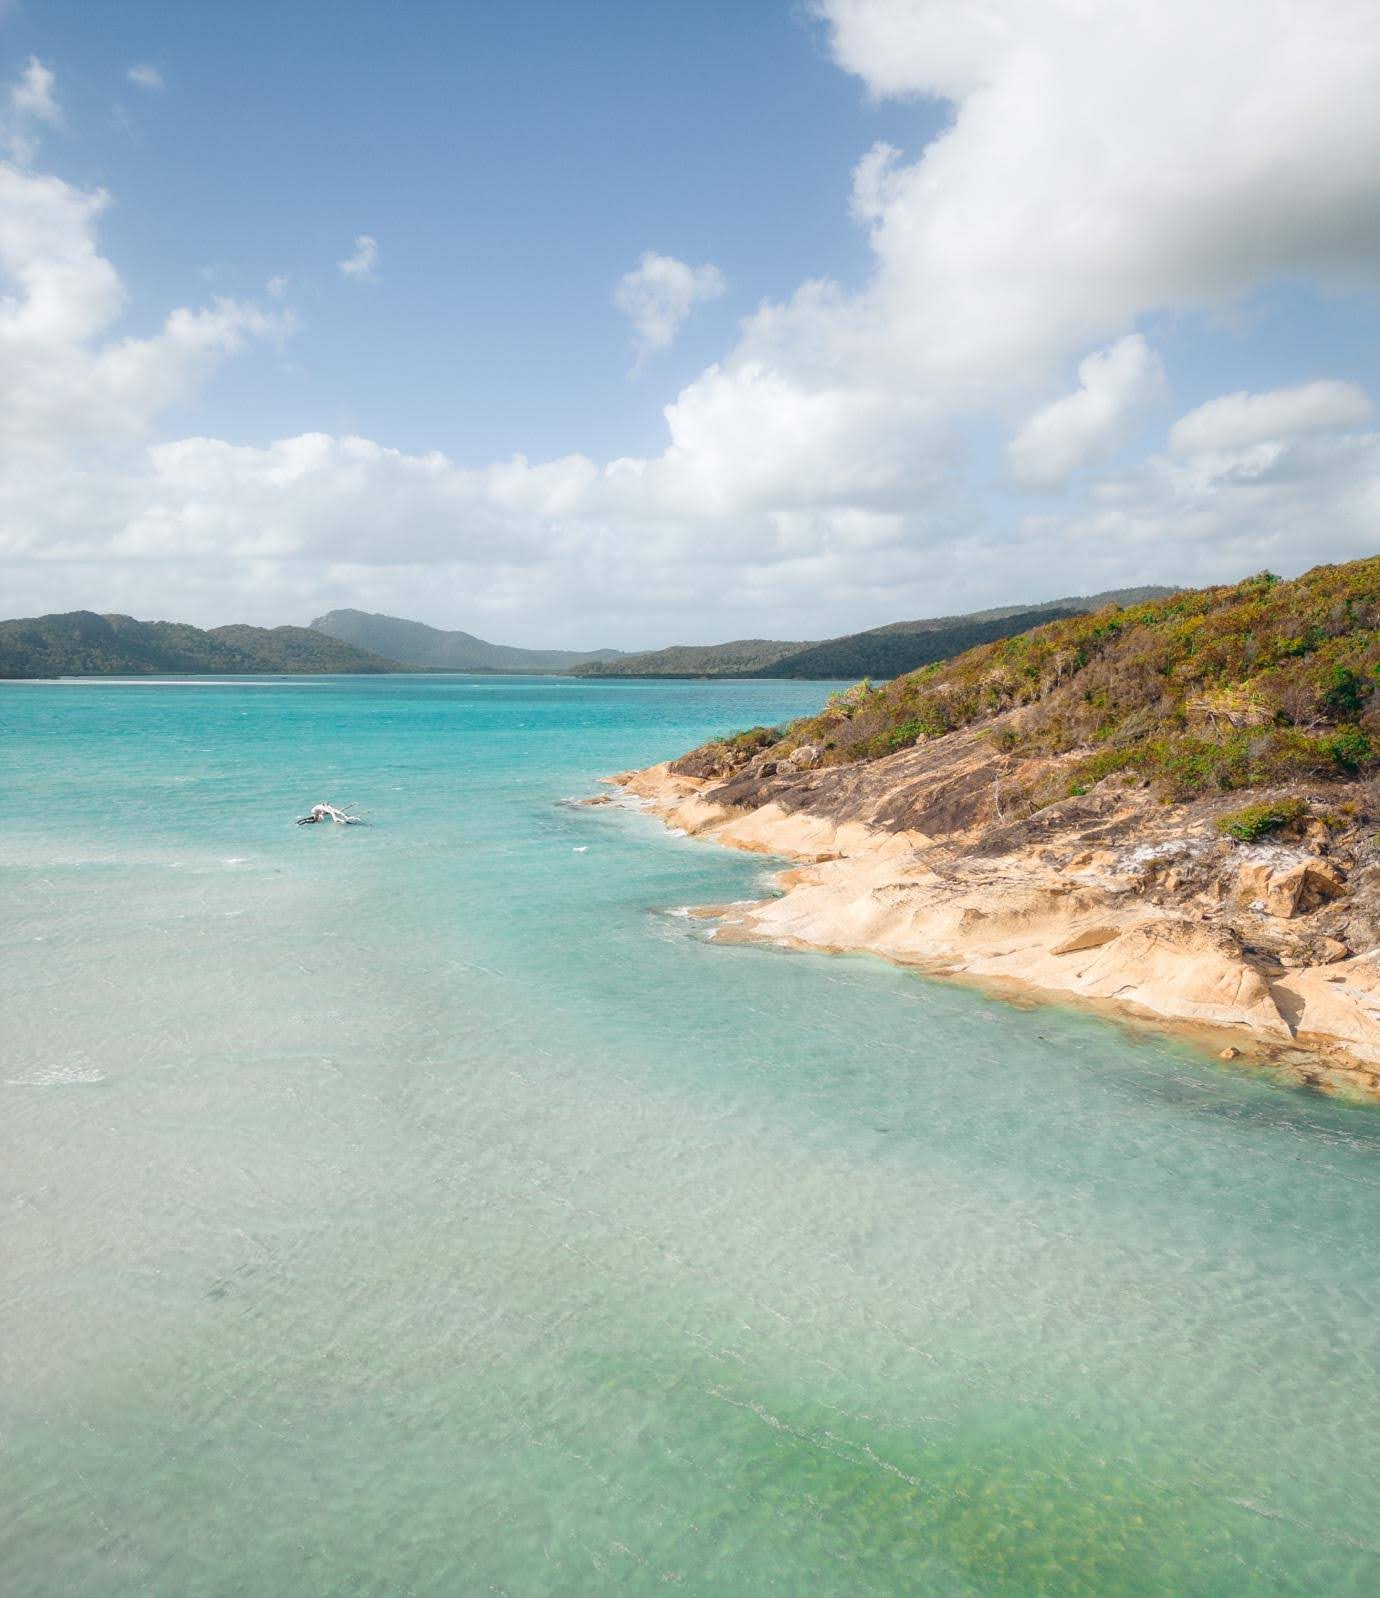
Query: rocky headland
x=1168 y=811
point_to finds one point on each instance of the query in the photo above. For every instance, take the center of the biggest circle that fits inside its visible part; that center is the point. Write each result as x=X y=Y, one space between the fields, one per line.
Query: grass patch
x=1258 y=821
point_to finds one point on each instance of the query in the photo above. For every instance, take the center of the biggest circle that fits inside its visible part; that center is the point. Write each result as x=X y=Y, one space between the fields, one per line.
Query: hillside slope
x=413 y=643
x=892 y=651
x=1170 y=808
x=738 y=657
x=81 y=643
x=1212 y=688
x=886 y=651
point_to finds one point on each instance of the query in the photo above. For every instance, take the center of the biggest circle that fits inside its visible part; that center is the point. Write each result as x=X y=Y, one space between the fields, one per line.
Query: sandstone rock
x=1303 y=888
x=1134 y=903
x=1089 y=938
x=805 y=758
x=1324 y=879
x=1230 y=1054
x=1253 y=881
x=1340 y=1002
x=1285 y=891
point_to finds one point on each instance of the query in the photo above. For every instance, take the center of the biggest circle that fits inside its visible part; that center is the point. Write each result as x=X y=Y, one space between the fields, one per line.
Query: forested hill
x=890 y=651
x=1258 y=684
x=414 y=644
x=80 y=643
x=880 y=652
x=739 y=657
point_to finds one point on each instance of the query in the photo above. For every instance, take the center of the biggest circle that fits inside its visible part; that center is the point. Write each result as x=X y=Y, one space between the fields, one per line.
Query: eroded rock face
x=1112 y=895
x=1289 y=889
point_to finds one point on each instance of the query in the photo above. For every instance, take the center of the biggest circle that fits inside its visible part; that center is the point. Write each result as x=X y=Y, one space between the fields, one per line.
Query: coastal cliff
x=1168 y=811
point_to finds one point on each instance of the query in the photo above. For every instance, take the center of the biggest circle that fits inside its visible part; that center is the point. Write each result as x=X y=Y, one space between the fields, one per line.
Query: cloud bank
x=1100 y=165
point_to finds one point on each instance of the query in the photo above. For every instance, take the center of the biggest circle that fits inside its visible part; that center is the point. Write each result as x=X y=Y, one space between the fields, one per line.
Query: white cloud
x=659 y=293
x=1115 y=386
x=362 y=265
x=276 y=286
x=68 y=386
x=1099 y=164
x=29 y=105
x=1286 y=504
x=1237 y=420
x=145 y=76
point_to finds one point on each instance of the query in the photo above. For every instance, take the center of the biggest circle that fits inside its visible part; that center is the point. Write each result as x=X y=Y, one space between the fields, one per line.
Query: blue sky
x=512 y=159
x=943 y=283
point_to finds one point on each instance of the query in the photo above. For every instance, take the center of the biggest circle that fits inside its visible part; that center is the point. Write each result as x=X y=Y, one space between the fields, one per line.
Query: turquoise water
x=426 y=1208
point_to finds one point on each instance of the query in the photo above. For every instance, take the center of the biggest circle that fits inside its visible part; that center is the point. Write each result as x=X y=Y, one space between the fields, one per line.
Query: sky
x=632 y=322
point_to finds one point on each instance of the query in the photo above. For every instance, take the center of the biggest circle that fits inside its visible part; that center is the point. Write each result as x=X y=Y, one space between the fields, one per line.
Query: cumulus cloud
x=659 y=293
x=1285 y=504
x=146 y=77
x=1237 y=420
x=30 y=105
x=69 y=386
x=1114 y=387
x=362 y=263
x=1097 y=165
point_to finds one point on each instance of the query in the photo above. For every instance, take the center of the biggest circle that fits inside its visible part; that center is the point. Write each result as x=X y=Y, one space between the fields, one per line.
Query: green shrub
x=753 y=739
x=1350 y=748
x=1253 y=685
x=1343 y=692
x=1255 y=821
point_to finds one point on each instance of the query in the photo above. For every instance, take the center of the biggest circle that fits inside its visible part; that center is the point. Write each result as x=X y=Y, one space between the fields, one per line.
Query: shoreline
x=1031 y=937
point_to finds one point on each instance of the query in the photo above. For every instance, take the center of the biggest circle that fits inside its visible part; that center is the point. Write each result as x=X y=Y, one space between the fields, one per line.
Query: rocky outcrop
x=1111 y=897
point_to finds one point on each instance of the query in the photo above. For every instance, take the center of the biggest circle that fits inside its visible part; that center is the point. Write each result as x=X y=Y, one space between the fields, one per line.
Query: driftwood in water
x=324 y=812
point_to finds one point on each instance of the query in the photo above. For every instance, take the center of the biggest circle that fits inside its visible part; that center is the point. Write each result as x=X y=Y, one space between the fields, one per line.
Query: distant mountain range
x=412 y=643
x=880 y=652
x=80 y=643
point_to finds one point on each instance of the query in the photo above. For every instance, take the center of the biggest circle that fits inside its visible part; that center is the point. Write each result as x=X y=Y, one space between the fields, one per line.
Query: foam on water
x=450 y=1215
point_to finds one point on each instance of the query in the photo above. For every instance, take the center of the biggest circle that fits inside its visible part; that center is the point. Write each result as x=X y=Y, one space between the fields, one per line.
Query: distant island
x=879 y=652
x=83 y=643
x=414 y=644
x=80 y=643
x=1168 y=808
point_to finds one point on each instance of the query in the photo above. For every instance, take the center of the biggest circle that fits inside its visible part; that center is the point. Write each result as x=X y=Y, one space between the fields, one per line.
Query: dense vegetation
x=1209 y=690
x=887 y=651
x=80 y=643
x=740 y=657
x=892 y=651
x=413 y=643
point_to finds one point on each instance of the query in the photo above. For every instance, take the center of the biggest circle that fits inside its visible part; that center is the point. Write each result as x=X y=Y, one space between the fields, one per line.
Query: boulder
x=1289 y=890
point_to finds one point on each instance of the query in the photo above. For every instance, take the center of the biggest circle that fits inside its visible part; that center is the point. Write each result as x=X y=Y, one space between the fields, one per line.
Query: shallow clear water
x=426 y=1208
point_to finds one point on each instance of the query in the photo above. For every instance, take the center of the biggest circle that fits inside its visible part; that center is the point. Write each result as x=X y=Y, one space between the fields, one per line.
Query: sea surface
x=431 y=1207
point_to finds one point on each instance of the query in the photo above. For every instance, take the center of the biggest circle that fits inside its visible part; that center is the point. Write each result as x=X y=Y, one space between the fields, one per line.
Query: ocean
x=431 y=1207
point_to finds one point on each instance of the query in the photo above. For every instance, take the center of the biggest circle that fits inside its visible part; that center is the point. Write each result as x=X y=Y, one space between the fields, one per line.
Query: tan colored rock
x=907 y=857
x=1337 y=1003
x=1089 y=938
x=1253 y=881
x=1288 y=890
x=1325 y=879
x=1283 y=892
x=1303 y=888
